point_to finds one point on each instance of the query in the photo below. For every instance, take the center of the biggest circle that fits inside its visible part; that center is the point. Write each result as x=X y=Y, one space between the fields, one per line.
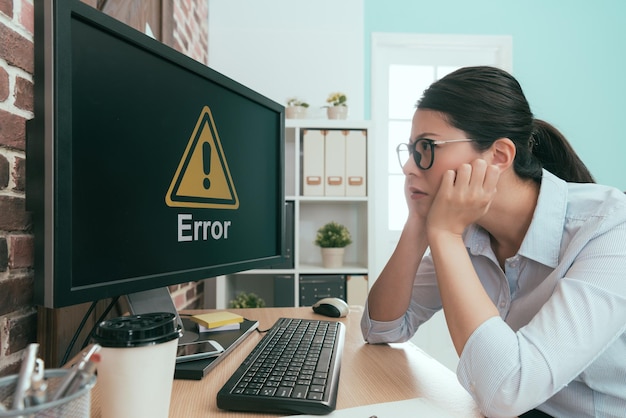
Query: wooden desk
x=369 y=373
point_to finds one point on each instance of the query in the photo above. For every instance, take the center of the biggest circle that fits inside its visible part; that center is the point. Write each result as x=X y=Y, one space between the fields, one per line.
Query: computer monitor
x=145 y=167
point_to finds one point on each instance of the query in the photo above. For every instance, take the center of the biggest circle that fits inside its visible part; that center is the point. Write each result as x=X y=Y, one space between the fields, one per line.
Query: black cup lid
x=138 y=330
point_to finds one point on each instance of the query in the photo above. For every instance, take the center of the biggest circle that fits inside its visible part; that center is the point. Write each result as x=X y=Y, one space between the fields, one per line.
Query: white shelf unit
x=310 y=213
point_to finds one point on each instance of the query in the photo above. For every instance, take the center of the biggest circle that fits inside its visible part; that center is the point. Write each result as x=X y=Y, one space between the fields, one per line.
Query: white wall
x=286 y=48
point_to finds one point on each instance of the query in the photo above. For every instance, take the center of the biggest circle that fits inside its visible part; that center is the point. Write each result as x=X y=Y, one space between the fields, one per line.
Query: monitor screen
x=145 y=167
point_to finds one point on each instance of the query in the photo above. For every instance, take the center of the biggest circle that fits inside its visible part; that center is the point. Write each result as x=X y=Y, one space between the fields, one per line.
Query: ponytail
x=556 y=154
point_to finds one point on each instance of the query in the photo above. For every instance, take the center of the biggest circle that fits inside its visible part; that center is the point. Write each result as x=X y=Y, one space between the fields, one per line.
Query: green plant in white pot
x=332 y=238
x=296 y=108
x=337 y=107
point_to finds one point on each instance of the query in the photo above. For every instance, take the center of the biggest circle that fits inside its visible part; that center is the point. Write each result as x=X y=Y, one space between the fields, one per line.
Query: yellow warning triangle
x=202 y=179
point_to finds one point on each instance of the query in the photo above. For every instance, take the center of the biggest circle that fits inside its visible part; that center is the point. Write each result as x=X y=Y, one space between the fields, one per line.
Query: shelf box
x=312 y=162
x=334 y=163
x=356 y=163
x=316 y=287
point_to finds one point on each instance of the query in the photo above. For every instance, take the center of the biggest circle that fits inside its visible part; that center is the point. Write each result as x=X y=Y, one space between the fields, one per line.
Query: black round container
x=138 y=330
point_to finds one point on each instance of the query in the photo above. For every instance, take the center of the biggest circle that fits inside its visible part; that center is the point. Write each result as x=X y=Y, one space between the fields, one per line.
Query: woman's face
x=421 y=186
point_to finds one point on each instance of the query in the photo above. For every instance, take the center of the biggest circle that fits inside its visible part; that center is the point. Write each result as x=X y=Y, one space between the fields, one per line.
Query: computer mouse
x=333 y=307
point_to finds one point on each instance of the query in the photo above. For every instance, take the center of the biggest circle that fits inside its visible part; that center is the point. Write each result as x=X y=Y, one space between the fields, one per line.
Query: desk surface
x=369 y=373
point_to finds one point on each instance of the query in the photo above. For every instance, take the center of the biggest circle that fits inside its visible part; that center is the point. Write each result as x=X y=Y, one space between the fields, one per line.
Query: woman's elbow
x=504 y=404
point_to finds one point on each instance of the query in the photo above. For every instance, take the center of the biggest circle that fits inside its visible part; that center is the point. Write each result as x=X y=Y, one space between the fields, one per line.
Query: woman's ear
x=502 y=153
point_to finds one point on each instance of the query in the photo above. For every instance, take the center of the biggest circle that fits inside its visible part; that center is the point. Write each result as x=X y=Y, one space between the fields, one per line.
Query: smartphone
x=198 y=350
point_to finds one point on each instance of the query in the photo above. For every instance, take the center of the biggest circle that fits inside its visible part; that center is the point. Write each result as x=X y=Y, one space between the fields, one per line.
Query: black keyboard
x=294 y=369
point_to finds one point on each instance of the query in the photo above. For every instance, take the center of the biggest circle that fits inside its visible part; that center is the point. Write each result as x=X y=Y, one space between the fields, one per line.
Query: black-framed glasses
x=423 y=151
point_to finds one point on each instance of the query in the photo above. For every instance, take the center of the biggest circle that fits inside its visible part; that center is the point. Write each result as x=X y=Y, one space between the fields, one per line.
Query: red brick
x=22 y=331
x=5 y=168
x=4 y=84
x=6 y=7
x=27 y=16
x=22 y=251
x=15 y=294
x=190 y=293
x=17 y=50
x=14 y=216
x=19 y=174
x=179 y=301
x=24 y=94
x=12 y=130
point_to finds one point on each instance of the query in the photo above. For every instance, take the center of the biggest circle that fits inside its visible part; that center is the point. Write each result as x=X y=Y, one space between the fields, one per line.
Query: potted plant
x=247 y=300
x=337 y=106
x=332 y=238
x=296 y=108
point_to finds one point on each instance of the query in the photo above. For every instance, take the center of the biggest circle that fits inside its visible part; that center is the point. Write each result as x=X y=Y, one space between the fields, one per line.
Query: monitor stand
x=158 y=300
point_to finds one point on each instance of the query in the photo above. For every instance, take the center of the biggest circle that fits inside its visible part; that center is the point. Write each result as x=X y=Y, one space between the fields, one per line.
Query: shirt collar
x=542 y=242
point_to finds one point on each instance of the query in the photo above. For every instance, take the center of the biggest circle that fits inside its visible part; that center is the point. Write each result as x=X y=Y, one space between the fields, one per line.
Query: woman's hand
x=464 y=196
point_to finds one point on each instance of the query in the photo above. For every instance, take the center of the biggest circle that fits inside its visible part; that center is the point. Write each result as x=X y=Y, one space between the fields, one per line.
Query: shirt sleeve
x=425 y=302
x=377 y=332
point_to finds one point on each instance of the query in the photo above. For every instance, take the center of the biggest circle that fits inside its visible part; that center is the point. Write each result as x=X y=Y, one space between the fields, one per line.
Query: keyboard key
x=284 y=392
x=318 y=396
x=267 y=391
x=299 y=391
x=324 y=360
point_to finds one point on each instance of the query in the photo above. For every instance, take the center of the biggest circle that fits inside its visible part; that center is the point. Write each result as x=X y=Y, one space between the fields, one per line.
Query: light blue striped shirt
x=559 y=344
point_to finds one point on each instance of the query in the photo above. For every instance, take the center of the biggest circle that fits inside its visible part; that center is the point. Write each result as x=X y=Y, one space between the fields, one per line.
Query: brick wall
x=18 y=315
x=191 y=28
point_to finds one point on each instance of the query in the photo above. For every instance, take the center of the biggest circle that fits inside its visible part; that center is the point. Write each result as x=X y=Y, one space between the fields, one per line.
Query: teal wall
x=569 y=56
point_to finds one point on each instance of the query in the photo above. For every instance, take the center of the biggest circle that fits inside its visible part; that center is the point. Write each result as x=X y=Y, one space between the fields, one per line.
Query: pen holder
x=75 y=405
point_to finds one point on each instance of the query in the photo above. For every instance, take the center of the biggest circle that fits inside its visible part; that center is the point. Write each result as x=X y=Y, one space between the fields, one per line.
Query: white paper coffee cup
x=136 y=368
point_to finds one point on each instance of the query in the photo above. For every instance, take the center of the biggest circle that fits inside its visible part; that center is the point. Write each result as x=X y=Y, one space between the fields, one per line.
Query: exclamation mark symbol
x=206 y=164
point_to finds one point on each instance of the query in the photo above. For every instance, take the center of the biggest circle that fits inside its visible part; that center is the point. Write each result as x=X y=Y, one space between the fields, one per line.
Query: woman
x=527 y=255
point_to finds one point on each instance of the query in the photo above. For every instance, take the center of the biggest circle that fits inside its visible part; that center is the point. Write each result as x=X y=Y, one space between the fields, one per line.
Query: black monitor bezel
x=48 y=196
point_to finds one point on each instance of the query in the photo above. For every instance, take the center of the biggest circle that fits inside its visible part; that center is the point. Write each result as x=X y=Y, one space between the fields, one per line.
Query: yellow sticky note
x=217 y=319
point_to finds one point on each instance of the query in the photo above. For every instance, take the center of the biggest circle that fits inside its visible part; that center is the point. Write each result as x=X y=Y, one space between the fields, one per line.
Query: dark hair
x=487 y=104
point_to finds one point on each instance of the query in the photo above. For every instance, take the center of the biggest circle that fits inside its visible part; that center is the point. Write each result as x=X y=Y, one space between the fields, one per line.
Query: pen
x=38 y=386
x=76 y=373
x=83 y=374
x=26 y=372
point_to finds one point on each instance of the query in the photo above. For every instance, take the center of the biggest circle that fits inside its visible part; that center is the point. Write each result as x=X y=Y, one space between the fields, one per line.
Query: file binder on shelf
x=356 y=163
x=335 y=163
x=312 y=163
